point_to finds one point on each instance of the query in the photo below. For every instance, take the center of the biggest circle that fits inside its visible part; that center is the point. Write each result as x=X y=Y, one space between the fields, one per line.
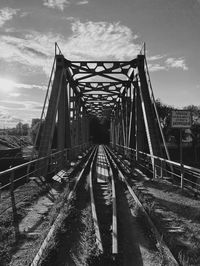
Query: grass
x=12 y=141
x=25 y=196
x=184 y=212
x=74 y=238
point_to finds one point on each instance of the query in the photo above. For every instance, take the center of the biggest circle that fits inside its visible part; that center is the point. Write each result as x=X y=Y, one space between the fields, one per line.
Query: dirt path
x=137 y=248
x=37 y=212
x=176 y=214
x=33 y=228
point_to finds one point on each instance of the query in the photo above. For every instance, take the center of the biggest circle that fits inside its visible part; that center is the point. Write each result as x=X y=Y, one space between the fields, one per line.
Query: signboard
x=181 y=119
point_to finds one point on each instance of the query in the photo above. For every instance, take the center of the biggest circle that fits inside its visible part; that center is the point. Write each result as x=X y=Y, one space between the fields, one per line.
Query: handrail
x=185 y=173
x=7 y=171
x=163 y=159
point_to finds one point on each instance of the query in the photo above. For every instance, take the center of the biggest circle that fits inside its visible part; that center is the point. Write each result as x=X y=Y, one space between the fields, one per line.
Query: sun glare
x=6 y=85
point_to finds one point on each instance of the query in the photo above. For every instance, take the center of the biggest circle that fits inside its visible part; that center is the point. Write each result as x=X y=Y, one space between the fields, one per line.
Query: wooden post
x=14 y=209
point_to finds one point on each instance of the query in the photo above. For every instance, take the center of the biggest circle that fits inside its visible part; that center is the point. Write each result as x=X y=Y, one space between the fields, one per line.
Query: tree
x=164 y=112
x=195 y=128
x=19 y=129
x=25 y=129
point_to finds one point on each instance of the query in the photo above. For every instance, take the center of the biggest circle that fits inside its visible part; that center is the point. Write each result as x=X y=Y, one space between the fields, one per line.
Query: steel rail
x=161 y=245
x=37 y=259
x=93 y=207
x=114 y=208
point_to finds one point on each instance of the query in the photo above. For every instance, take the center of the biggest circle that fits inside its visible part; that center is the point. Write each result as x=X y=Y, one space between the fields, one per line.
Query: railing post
x=162 y=165
x=0 y=192
x=27 y=172
x=14 y=209
x=65 y=158
x=50 y=161
x=132 y=159
x=182 y=176
x=69 y=151
x=154 y=167
x=137 y=156
x=57 y=163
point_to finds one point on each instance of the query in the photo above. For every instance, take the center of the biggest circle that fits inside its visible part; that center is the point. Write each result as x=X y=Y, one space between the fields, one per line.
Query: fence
x=11 y=178
x=186 y=176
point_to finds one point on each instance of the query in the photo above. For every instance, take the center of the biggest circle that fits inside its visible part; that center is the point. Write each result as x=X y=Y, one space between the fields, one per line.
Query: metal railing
x=11 y=178
x=55 y=163
x=183 y=175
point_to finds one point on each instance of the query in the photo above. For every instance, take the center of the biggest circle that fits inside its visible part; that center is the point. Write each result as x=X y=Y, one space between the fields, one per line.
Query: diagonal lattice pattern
x=100 y=85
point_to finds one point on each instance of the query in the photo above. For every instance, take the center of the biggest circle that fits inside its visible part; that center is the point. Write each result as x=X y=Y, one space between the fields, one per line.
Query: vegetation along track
x=106 y=223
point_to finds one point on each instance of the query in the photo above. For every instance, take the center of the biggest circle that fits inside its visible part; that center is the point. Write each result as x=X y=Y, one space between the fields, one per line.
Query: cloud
x=59 y=4
x=101 y=40
x=156 y=57
x=83 y=2
x=16 y=106
x=34 y=50
x=7 y=14
x=14 y=94
x=30 y=86
x=159 y=62
x=156 y=67
x=8 y=120
x=89 y=40
x=176 y=63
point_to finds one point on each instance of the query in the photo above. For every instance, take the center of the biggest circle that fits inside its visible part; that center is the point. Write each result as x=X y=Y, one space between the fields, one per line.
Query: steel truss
x=117 y=90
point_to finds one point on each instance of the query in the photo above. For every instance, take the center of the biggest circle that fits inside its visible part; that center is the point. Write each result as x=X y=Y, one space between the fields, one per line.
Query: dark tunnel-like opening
x=100 y=131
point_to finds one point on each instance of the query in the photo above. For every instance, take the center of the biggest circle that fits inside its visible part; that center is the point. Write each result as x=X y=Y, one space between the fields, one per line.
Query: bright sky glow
x=6 y=85
x=96 y=30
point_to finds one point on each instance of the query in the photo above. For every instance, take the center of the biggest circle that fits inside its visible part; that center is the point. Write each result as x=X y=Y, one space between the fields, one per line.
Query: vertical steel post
x=68 y=127
x=14 y=209
x=0 y=191
x=132 y=124
x=61 y=124
x=181 y=160
x=50 y=120
x=139 y=122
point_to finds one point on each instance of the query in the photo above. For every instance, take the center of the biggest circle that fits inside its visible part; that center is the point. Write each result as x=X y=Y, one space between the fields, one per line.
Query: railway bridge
x=119 y=92
x=99 y=129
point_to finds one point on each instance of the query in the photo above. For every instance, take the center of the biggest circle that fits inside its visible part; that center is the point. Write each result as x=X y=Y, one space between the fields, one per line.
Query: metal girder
x=98 y=78
x=118 y=90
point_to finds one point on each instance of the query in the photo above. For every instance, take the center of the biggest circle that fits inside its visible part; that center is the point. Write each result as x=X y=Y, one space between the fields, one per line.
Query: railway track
x=123 y=232
x=103 y=202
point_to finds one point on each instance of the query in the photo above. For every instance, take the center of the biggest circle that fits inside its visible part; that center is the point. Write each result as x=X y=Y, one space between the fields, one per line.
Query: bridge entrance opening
x=100 y=131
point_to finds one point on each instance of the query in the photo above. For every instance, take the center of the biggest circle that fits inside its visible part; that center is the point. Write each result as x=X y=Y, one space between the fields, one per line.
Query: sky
x=96 y=30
